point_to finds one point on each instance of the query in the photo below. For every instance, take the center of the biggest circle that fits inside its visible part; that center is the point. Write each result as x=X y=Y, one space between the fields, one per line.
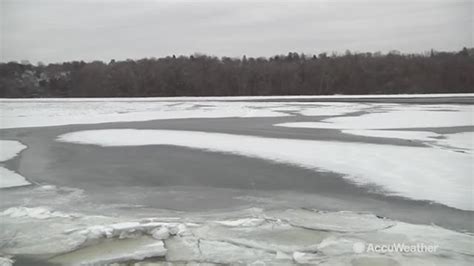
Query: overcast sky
x=65 y=30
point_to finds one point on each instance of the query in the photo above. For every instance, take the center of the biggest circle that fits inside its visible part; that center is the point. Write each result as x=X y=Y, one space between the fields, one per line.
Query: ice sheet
x=415 y=172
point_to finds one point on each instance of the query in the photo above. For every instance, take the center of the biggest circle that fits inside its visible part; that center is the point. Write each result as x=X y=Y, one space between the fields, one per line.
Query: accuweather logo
x=361 y=247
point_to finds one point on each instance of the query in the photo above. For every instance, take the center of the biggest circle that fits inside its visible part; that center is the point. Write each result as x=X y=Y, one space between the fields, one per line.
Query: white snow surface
x=8 y=150
x=20 y=114
x=38 y=113
x=413 y=172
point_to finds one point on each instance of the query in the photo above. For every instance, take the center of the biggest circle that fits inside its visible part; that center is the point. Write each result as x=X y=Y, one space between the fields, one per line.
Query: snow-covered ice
x=397 y=134
x=20 y=114
x=38 y=113
x=415 y=172
x=8 y=150
x=389 y=121
x=464 y=140
x=395 y=119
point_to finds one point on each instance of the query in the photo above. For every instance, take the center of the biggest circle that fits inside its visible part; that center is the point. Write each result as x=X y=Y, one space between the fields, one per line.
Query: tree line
x=203 y=75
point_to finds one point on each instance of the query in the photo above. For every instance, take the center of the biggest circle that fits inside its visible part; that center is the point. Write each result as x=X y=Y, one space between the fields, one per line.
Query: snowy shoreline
x=233 y=98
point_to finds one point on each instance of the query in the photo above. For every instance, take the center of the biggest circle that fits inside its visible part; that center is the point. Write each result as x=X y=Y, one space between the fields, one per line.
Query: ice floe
x=333 y=221
x=160 y=233
x=280 y=237
x=213 y=251
x=415 y=172
x=8 y=150
x=131 y=230
x=110 y=252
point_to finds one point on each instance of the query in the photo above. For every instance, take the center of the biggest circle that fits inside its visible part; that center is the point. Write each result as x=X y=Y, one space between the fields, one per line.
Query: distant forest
x=202 y=75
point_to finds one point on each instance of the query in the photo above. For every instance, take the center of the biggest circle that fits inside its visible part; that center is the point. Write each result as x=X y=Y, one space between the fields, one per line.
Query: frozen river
x=226 y=171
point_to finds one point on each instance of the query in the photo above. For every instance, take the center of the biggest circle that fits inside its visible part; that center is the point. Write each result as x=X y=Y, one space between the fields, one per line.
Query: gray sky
x=54 y=30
